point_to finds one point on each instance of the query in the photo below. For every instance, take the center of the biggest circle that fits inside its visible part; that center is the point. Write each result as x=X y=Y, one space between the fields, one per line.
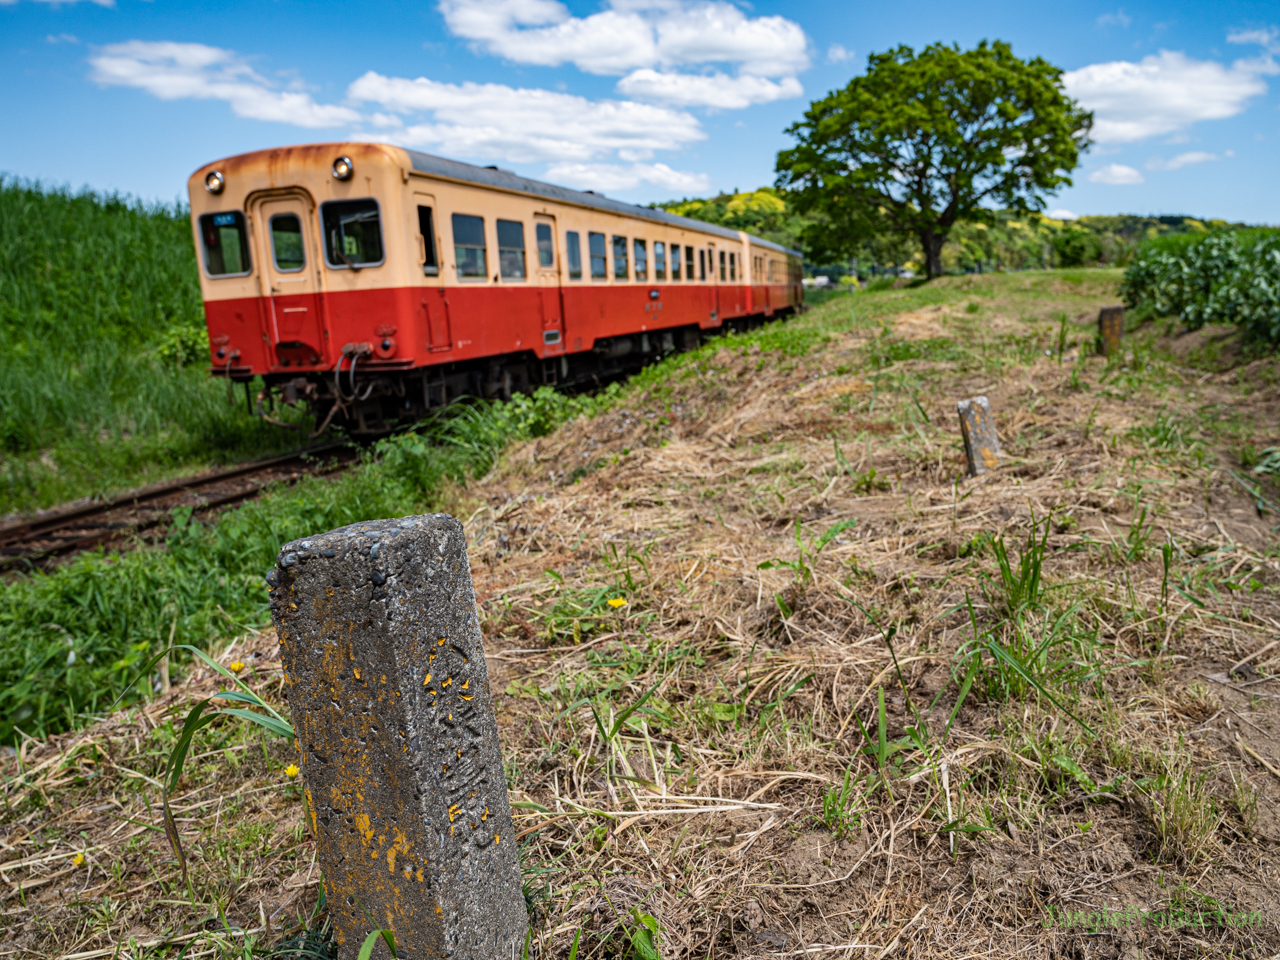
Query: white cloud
x=194 y=71
x=644 y=39
x=1117 y=19
x=708 y=90
x=1061 y=214
x=543 y=33
x=606 y=143
x=836 y=53
x=1116 y=175
x=62 y=38
x=524 y=125
x=629 y=35
x=718 y=32
x=1263 y=38
x=1163 y=93
x=1181 y=160
x=607 y=176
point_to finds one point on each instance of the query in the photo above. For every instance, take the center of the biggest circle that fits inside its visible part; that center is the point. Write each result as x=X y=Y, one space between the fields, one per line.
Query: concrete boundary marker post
x=1110 y=329
x=981 y=446
x=386 y=680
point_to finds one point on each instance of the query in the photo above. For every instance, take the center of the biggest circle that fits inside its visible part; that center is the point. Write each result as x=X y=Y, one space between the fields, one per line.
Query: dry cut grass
x=845 y=702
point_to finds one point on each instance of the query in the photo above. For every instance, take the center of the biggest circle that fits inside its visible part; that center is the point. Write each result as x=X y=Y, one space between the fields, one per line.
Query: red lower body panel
x=421 y=326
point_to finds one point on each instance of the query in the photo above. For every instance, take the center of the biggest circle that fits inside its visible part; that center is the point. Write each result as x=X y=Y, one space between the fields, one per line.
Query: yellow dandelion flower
x=291 y=771
x=617 y=602
x=78 y=860
x=236 y=666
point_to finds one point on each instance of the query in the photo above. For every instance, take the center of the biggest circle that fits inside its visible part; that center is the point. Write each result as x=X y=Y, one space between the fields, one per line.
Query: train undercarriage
x=367 y=398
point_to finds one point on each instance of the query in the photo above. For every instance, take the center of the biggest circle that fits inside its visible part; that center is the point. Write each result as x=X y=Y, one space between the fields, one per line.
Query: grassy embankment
x=104 y=383
x=104 y=386
x=74 y=637
x=907 y=740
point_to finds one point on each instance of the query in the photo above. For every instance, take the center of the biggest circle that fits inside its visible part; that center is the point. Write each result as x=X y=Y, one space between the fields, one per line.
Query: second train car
x=374 y=283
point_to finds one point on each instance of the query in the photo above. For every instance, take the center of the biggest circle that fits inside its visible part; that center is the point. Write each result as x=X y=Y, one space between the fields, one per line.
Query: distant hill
x=1014 y=242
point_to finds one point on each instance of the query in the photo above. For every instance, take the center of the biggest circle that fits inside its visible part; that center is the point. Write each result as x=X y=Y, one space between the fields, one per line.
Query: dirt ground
x=817 y=718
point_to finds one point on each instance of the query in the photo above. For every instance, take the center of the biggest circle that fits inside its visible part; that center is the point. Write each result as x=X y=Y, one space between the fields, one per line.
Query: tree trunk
x=932 y=243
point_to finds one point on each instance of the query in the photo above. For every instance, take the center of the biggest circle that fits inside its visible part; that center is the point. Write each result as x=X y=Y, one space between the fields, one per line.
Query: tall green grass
x=72 y=640
x=102 y=349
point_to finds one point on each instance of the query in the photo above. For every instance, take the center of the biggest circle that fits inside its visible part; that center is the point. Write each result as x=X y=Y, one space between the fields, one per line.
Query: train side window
x=702 y=264
x=688 y=263
x=722 y=266
x=468 y=246
x=511 y=249
x=427 y=230
x=546 y=248
x=642 y=260
x=733 y=266
x=619 y=258
x=659 y=260
x=573 y=250
x=286 y=243
x=352 y=233
x=675 y=261
x=226 y=244
x=599 y=269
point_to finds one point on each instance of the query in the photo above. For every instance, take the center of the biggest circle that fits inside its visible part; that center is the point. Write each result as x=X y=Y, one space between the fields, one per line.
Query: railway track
x=38 y=542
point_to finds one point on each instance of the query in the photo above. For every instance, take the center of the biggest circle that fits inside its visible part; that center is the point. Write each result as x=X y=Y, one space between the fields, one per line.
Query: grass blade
x=371 y=941
x=999 y=652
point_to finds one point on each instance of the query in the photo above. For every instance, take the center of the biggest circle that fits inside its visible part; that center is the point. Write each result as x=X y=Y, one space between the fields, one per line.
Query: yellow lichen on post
x=981 y=445
x=399 y=768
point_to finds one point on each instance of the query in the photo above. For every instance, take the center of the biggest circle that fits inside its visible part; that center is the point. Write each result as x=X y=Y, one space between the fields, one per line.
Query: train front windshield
x=352 y=233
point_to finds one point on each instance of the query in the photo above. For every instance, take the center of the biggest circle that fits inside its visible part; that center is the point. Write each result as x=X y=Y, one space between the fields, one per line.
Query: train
x=375 y=284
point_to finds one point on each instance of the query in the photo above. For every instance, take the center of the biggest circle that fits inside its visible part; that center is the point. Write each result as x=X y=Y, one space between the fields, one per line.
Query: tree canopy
x=921 y=142
x=761 y=212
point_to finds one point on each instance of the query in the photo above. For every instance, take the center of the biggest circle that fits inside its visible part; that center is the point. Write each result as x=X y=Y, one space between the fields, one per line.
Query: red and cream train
x=375 y=283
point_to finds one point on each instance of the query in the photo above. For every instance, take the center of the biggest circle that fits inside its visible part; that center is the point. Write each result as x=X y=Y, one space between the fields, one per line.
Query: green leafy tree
x=761 y=212
x=1076 y=247
x=922 y=142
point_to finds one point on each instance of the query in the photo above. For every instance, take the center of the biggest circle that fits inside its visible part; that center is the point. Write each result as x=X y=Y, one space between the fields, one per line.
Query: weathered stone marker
x=389 y=692
x=981 y=446
x=1110 y=327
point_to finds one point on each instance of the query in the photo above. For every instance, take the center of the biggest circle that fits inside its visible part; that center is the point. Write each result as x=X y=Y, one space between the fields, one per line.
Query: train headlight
x=343 y=168
x=214 y=181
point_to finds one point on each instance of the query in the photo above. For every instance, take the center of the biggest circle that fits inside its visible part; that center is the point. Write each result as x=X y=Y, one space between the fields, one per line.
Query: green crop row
x=1222 y=277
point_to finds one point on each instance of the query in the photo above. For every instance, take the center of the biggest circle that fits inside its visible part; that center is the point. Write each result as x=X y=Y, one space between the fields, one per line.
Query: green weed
x=1183 y=811
x=1166 y=433
x=839 y=808
x=807 y=553
x=1021 y=587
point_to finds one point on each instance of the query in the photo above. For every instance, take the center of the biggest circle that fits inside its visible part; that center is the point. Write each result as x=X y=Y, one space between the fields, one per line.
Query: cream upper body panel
x=394 y=179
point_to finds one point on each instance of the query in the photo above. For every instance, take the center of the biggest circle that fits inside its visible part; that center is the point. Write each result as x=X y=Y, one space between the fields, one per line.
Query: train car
x=375 y=283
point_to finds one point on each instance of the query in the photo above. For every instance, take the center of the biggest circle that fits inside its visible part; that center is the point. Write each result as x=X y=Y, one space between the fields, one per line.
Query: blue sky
x=640 y=99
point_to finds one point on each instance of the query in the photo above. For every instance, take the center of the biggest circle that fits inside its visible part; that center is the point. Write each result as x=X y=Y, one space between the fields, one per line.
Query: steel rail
x=71 y=522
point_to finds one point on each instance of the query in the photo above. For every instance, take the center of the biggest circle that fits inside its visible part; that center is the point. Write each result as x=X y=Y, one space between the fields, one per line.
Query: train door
x=713 y=291
x=290 y=253
x=547 y=272
x=433 y=306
